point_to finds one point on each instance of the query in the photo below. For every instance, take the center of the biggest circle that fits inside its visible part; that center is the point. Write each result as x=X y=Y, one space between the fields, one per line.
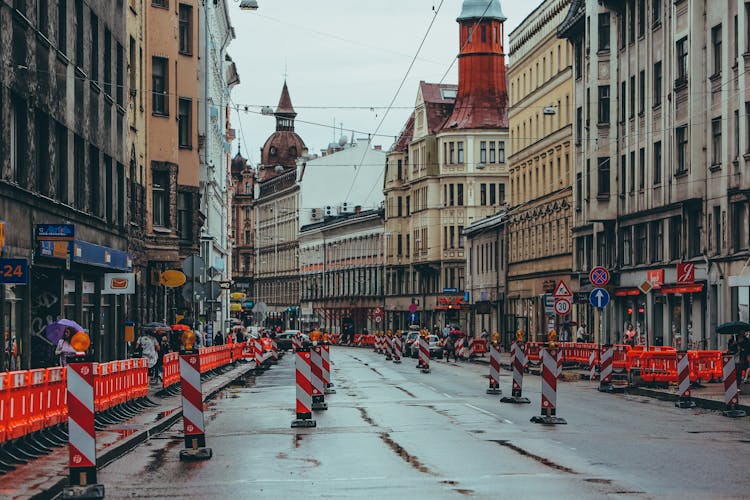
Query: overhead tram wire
x=395 y=96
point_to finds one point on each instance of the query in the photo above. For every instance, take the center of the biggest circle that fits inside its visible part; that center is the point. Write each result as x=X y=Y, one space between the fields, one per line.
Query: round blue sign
x=599 y=298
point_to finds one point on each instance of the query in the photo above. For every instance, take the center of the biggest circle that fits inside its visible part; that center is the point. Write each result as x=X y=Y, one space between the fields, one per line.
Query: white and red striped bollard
x=275 y=348
x=388 y=348
x=396 y=349
x=605 y=368
x=258 y=350
x=424 y=354
x=81 y=432
x=327 y=370
x=458 y=348
x=683 y=381
x=192 y=407
x=494 y=387
x=303 y=378
x=731 y=390
x=549 y=389
x=318 y=386
x=296 y=343
x=518 y=361
x=592 y=365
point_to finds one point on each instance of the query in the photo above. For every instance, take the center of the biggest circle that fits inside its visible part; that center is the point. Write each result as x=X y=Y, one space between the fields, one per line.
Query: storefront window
x=69 y=299
x=88 y=305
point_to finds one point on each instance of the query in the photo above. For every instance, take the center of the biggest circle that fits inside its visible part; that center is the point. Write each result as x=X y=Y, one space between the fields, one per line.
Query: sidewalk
x=46 y=476
x=706 y=395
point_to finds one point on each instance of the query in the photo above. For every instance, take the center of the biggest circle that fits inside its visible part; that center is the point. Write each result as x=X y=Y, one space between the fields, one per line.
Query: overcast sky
x=344 y=61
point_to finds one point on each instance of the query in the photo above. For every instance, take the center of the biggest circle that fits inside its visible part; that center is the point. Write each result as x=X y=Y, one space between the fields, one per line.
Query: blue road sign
x=599 y=298
x=413 y=318
x=14 y=271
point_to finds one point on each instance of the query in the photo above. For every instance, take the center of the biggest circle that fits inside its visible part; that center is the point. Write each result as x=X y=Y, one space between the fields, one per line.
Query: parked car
x=284 y=340
x=436 y=350
x=411 y=336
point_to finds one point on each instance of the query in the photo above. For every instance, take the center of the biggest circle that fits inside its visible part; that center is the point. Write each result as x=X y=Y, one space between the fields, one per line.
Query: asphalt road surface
x=393 y=432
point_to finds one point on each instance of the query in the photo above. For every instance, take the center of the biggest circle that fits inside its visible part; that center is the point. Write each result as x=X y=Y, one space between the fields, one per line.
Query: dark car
x=436 y=350
x=284 y=340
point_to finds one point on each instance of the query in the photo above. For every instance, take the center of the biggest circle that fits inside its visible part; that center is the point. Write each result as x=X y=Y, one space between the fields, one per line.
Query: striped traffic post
x=303 y=378
x=605 y=368
x=193 y=423
x=683 y=381
x=731 y=390
x=397 y=349
x=518 y=362
x=388 y=348
x=458 y=347
x=81 y=433
x=494 y=387
x=549 y=389
x=296 y=343
x=424 y=353
x=318 y=386
x=592 y=364
x=274 y=351
x=327 y=369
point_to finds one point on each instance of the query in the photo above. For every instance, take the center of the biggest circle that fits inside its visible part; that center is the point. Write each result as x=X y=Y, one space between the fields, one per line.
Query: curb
x=115 y=451
x=708 y=404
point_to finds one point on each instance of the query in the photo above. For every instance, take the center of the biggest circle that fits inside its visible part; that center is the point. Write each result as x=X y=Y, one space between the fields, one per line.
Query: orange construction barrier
x=171 y=373
x=480 y=346
x=706 y=365
x=534 y=351
x=4 y=401
x=620 y=361
x=56 y=410
x=17 y=420
x=36 y=380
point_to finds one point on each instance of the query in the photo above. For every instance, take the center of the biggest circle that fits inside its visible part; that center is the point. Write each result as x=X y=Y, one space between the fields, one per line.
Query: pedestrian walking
x=218 y=338
x=150 y=350
x=64 y=350
x=581 y=333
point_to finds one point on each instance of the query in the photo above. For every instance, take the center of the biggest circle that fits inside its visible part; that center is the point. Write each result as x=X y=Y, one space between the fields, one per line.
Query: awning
x=97 y=255
x=694 y=288
x=627 y=292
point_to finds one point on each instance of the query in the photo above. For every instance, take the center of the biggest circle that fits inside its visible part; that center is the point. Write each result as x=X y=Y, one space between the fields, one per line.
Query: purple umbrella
x=54 y=331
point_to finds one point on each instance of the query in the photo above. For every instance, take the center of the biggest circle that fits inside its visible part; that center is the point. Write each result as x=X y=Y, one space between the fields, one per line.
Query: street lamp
x=249 y=4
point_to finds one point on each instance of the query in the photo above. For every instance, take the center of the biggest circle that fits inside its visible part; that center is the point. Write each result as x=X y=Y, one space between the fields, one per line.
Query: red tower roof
x=285 y=103
x=482 y=100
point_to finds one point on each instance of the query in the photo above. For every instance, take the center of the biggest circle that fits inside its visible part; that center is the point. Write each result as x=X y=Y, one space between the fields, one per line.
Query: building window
x=452 y=149
x=604 y=104
x=641 y=243
x=482 y=152
x=186 y=29
x=717 y=229
x=632 y=97
x=682 y=61
x=185 y=219
x=185 y=124
x=675 y=237
x=460 y=236
x=642 y=169
x=604 y=31
x=160 y=198
x=94 y=77
x=623 y=175
x=657 y=163
x=109 y=194
x=579 y=124
x=493 y=198
x=501 y=151
x=631 y=21
x=107 y=69
x=579 y=191
x=41 y=137
x=623 y=101
x=492 y=152
x=682 y=149
x=94 y=180
x=120 y=75
x=632 y=172
x=62 y=26
x=79 y=172
x=627 y=250
x=641 y=92
x=603 y=173
x=739 y=231
x=621 y=29
x=483 y=194
x=79 y=33
x=657 y=84
x=160 y=3
x=460 y=152
x=61 y=165
x=716 y=141
x=642 y=17
x=716 y=48
x=657 y=241
x=460 y=194
x=160 y=85
x=694 y=229
x=578 y=48
x=656 y=12
x=736 y=133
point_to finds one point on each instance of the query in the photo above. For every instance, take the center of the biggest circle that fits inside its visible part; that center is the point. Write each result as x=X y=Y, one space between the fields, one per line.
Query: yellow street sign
x=172 y=278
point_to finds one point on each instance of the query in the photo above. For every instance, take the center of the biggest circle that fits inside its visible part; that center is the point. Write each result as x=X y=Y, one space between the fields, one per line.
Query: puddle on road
x=297 y=439
x=541 y=460
x=405 y=455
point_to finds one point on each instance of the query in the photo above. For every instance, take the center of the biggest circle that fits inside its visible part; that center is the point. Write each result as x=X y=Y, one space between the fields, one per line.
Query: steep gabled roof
x=438 y=103
x=407 y=133
x=285 y=103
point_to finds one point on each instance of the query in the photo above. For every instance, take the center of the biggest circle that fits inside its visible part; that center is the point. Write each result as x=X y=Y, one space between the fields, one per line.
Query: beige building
x=661 y=134
x=447 y=169
x=539 y=223
x=171 y=170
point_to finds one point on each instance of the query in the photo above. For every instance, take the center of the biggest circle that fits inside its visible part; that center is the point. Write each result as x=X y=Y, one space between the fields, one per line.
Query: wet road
x=393 y=432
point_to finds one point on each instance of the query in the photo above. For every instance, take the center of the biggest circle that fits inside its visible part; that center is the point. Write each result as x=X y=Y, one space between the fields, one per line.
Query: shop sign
x=53 y=249
x=450 y=303
x=60 y=232
x=119 y=284
x=655 y=277
x=685 y=273
x=14 y=271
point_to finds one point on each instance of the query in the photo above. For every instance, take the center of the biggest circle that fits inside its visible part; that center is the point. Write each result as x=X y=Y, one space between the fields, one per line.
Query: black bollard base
x=547 y=420
x=89 y=491
x=308 y=422
x=515 y=400
x=190 y=454
x=494 y=390
x=685 y=403
x=734 y=413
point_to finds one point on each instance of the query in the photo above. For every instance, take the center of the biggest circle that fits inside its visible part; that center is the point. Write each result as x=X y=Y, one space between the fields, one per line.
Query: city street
x=393 y=432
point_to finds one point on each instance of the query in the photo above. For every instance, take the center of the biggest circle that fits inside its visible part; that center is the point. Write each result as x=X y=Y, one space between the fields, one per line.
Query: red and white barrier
x=327 y=369
x=518 y=363
x=683 y=381
x=303 y=379
x=296 y=343
x=388 y=348
x=192 y=408
x=397 y=349
x=318 y=386
x=731 y=390
x=494 y=387
x=605 y=370
x=81 y=432
x=258 y=350
x=275 y=350
x=549 y=389
x=424 y=354
x=592 y=365
x=458 y=348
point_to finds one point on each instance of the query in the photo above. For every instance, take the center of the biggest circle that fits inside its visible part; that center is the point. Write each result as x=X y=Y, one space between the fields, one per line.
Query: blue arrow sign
x=413 y=318
x=599 y=298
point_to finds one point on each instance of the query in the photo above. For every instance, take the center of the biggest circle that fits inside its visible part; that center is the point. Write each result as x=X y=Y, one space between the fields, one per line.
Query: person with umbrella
x=64 y=350
x=150 y=350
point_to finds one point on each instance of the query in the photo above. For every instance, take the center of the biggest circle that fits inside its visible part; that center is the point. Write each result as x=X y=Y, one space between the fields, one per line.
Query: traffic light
x=630 y=311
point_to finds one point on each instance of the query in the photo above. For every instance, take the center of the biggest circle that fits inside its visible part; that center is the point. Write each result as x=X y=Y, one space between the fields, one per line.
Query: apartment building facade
x=661 y=136
x=541 y=178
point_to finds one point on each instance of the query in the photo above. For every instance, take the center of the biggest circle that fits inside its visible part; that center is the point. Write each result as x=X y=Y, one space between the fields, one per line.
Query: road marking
x=447 y=395
x=507 y=421
x=480 y=409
